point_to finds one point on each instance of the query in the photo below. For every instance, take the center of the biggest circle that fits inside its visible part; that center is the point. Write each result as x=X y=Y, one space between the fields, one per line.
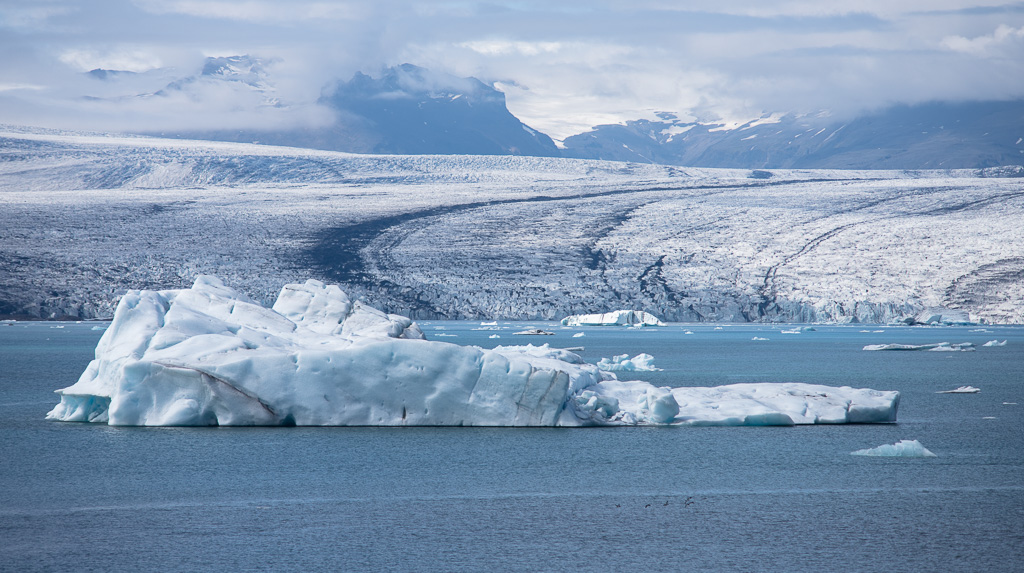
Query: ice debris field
x=209 y=355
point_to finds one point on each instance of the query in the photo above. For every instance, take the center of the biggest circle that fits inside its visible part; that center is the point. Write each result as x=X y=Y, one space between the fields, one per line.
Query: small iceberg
x=579 y=335
x=792 y=331
x=534 y=332
x=623 y=363
x=901 y=449
x=995 y=343
x=759 y=338
x=961 y=390
x=494 y=336
x=614 y=318
x=495 y=323
x=98 y=328
x=937 y=347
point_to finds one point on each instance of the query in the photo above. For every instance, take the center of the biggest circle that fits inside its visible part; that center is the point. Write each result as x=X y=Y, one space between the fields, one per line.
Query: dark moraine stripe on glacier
x=336 y=252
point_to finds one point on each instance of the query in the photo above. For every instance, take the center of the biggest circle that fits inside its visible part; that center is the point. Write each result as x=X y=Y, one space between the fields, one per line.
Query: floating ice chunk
x=781 y=404
x=98 y=328
x=207 y=356
x=961 y=390
x=791 y=331
x=494 y=336
x=901 y=449
x=534 y=332
x=623 y=363
x=936 y=347
x=495 y=323
x=615 y=318
x=688 y=332
x=995 y=343
x=579 y=335
x=759 y=338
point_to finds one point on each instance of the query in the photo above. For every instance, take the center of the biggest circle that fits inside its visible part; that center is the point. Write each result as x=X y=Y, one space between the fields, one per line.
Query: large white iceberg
x=615 y=318
x=209 y=356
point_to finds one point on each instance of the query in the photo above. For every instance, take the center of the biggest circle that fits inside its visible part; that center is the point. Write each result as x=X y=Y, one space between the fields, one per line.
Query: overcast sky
x=564 y=65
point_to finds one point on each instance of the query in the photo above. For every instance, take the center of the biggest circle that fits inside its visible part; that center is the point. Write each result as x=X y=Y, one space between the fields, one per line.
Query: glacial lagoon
x=91 y=497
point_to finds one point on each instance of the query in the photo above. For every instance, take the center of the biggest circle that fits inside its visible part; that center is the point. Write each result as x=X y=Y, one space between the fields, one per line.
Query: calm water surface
x=94 y=498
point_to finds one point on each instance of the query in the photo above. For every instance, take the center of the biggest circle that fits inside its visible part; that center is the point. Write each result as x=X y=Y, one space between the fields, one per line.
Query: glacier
x=441 y=237
x=209 y=355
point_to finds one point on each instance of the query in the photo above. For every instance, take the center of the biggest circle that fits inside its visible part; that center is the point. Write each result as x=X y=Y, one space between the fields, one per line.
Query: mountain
x=412 y=110
x=244 y=72
x=937 y=135
x=408 y=110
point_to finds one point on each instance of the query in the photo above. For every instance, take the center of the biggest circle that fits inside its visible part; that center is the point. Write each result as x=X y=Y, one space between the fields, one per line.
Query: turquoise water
x=93 y=498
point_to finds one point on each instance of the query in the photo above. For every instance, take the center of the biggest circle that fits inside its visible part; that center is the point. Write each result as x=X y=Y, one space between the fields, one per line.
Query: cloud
x=262 y=11
x=1004 y=39
x=123 y=58
x=564 y=66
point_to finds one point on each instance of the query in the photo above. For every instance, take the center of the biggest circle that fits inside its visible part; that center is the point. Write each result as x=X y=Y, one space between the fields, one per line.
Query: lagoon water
x=81 y=497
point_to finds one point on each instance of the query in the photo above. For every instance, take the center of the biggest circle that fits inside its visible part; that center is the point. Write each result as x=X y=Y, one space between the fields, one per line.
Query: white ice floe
x=759 y=338
x=494 y=336
x=995 y=343
x=615 y=318
x=901 y=449
x=579 y=335
x=209 y=356
x=534 y=332
x=961 y=390
x=623 y=363
x=936 y=347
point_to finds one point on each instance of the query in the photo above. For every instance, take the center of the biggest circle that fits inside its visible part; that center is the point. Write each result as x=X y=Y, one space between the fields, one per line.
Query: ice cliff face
x=209 y=356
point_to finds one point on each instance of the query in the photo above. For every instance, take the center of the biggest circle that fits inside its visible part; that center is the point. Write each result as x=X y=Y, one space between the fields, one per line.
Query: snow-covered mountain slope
x=938 y=135
x=84 y=218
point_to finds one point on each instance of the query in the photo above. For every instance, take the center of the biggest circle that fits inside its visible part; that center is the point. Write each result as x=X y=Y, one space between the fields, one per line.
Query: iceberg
x=995 y=343
x=901 y=449
x=936 y=347
x=623 y=363
x=534 y=332
x=208 y=356
x=961 y=390
x=615 y=318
